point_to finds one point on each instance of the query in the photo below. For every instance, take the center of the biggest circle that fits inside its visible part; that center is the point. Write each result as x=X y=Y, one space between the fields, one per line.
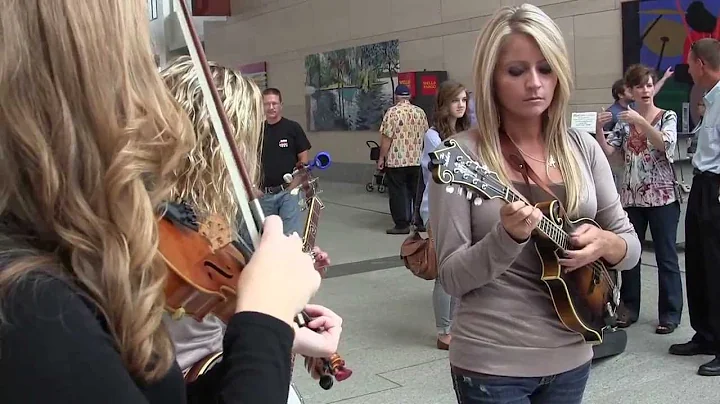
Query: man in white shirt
x=702 y=219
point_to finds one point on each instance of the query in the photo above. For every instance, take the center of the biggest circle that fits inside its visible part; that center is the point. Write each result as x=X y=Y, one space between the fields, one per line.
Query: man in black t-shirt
x=284 y=146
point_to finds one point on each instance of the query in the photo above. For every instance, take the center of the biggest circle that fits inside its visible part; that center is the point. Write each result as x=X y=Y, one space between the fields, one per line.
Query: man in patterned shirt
x=402 y=131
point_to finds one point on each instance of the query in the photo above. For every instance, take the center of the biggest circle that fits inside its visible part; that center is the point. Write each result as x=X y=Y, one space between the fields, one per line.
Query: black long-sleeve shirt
x=54 y=348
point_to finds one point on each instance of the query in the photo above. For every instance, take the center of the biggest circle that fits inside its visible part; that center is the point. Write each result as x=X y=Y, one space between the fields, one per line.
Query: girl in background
x=449 y=117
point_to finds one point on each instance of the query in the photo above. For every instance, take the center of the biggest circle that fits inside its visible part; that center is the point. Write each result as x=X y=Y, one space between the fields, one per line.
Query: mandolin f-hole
x=217 y=269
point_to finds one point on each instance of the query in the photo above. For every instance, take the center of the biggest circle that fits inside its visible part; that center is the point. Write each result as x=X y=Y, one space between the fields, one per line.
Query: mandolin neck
x=311 y=224
x=547 y=227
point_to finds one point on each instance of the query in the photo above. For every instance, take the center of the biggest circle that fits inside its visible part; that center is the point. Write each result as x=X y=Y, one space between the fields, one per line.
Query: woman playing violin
x=204 y=185
x=90 y=140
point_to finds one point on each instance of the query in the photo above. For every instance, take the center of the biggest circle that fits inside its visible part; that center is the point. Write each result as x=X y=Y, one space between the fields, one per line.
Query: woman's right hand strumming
x=280 y=278
x=519 y=220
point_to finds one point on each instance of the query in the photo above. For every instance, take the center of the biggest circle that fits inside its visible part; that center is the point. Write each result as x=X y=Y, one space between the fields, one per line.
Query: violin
x=204 y=261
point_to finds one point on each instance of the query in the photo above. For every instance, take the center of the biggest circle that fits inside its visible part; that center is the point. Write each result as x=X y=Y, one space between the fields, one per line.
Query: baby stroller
x=379 y=175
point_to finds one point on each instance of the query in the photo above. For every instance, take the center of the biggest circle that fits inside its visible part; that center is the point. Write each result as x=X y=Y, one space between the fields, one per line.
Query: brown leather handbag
x=418 y=253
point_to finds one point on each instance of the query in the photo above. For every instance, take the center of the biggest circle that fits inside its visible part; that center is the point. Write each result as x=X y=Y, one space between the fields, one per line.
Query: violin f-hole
x=217 y=269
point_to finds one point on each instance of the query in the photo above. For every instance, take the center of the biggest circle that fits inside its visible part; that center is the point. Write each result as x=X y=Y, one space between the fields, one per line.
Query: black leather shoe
x=711 y=368
x=395 y=230
x=690 y=349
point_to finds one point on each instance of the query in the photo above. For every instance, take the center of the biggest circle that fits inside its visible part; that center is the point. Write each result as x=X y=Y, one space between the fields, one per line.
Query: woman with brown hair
x=90 y=145
x=646 y=137
x=450 y=116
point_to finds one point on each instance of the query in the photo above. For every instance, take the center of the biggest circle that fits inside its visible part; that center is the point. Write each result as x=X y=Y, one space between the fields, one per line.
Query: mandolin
x=585 y=299
x=311 y=202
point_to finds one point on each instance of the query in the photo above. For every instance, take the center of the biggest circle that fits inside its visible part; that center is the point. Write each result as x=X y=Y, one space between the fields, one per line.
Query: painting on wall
x=257 y=72
x=350 y=89
x=659 y=33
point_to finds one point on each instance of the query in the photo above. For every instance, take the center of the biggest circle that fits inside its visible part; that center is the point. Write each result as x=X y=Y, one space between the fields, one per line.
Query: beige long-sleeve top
x=505 y=323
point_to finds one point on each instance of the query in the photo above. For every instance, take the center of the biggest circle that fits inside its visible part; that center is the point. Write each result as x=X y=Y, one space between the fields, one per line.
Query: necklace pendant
x=551 y=162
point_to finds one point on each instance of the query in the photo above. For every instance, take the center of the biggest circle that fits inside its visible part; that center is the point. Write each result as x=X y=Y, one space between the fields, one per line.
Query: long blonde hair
x=530 y=20
x=204 y=179
x=89 y=140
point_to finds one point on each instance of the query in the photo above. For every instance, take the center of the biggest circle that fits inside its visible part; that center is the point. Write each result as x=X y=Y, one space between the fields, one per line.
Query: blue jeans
x=563 y=388
x=663 y=222
x=444 y=307
x=287 y=206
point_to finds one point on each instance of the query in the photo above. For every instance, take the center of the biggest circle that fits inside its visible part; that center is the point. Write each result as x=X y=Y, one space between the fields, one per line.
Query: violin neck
x=311 y=223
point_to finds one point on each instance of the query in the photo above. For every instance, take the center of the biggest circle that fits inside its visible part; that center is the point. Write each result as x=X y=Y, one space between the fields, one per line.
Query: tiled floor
x=389 y=337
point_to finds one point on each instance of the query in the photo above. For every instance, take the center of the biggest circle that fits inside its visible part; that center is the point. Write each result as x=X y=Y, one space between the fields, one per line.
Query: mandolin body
x=583 y=298
x=203 y=366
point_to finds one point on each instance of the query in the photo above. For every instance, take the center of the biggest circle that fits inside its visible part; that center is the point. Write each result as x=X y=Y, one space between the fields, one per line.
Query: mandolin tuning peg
x=459 y=191
x=449 y=189
x=477 y=201
x=469 y=195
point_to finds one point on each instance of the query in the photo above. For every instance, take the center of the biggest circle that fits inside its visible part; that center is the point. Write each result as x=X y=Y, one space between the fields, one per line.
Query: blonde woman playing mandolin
x=508 y=343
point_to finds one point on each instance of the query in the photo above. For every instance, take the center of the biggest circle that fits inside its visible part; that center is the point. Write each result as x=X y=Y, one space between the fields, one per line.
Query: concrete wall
x=167 y=37
x=433 y=34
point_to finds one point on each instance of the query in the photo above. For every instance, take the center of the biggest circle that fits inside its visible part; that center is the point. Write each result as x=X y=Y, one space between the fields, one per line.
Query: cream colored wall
x=433 y=34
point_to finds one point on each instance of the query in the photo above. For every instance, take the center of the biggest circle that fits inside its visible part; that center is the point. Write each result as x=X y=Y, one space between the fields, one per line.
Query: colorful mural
x=659 y=33
x=350 y=89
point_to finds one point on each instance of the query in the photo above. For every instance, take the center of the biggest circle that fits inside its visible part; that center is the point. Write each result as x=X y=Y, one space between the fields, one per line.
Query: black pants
x=663 y=222
x=702 y=258
x=402 y=185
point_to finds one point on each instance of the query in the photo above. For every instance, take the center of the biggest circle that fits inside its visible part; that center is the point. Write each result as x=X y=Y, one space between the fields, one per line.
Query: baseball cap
x=402 y=89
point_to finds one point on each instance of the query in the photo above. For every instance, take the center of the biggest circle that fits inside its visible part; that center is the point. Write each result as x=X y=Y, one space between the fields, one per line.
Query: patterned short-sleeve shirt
x=649 y=179
x=406 y=125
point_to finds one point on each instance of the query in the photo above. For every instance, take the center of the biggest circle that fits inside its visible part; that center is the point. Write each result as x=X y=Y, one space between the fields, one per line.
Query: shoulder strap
x=659 y=117
x=514 y=158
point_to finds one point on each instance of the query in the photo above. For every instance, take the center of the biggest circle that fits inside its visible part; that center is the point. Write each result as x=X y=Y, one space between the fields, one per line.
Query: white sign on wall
x=584 y=121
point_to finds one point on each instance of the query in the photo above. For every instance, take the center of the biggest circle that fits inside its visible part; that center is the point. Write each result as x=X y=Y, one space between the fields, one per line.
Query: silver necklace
x=550 y=162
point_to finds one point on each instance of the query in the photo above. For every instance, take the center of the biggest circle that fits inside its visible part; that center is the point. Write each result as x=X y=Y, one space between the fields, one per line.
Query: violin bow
x=248 y=203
